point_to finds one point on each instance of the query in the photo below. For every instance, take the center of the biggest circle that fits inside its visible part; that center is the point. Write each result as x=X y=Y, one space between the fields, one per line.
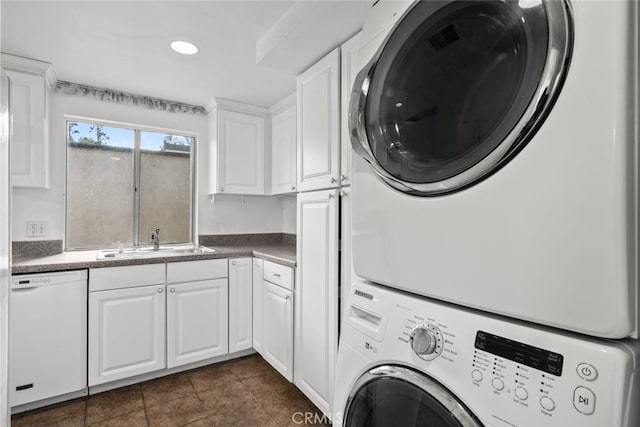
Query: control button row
x=587 y=372
x=584 y=400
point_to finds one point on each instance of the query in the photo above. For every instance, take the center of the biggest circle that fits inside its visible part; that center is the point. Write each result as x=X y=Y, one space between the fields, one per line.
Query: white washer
x=501 y=145
x=475 y=369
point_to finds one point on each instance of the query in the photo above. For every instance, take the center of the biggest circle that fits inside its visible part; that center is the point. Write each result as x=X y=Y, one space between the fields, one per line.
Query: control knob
x=423 y=341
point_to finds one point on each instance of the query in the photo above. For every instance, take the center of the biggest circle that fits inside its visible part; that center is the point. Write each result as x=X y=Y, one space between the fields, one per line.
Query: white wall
x=289 y=214
x=226 y=215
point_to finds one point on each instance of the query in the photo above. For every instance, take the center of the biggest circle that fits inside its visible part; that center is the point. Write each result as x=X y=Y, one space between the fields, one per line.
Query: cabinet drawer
x=278 y=274
x=192 y=271
x=102 y=279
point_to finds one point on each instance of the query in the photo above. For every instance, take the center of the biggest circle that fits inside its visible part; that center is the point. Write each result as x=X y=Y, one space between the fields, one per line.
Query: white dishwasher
x=47 y=335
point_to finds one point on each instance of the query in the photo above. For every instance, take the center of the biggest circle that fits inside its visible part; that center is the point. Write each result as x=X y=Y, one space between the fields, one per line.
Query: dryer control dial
x=426 y=341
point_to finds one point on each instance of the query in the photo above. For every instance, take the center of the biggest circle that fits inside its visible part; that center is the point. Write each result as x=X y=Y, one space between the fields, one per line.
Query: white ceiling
x=124 y=45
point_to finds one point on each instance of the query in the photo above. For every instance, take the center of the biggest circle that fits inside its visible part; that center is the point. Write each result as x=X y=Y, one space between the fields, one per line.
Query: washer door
x=397 y=396
x=457 y=89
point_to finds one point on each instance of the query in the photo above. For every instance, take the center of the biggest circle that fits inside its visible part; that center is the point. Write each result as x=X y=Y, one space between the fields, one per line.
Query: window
x=124 y=182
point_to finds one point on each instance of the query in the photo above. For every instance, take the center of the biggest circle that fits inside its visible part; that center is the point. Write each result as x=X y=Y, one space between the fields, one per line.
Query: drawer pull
x=24 y=387
x=276 y=274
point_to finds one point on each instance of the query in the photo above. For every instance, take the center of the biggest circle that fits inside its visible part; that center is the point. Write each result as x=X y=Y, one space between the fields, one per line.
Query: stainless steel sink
x=148 y=252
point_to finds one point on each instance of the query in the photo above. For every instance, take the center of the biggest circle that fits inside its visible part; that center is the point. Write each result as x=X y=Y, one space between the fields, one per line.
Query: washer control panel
x=529 y=375
x=508 y=373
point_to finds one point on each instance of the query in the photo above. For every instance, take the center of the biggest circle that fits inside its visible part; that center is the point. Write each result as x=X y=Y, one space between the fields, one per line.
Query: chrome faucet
x=155 y=238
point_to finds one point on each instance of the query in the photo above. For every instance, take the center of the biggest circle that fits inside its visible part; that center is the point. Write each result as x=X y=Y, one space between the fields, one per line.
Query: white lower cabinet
x=277 y=333
x=273 y=291
x=257 y=305
x=240 y=304
x=196 y=321
x=126 y=333
x=138 y=323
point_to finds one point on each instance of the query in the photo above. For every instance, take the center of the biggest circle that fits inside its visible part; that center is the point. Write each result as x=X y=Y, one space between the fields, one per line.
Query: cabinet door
x=126 y=333
x=319 y=124
x=349 y=70
x=257 y=305
x=316 y=306
x=240 y=304
x=196 y=321
x=30 y=129
x=277 y=338
x=240 y=160
x=283 y=151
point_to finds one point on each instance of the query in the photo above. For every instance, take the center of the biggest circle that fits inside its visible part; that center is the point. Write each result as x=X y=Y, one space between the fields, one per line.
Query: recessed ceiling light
x=184 y=47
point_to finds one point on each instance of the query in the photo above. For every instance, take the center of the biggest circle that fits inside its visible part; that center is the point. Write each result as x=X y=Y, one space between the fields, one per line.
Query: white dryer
x=501 y=148
x=409 y=361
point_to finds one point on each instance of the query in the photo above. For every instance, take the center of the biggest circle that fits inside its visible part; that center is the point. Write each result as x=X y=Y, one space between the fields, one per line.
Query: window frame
x=137 y=129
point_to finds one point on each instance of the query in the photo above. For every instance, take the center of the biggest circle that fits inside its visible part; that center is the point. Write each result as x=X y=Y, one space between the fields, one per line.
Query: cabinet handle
x=343 y=177
x=173 y=290
x=331 y=196
x=293 y=187
x=221 y=188
x=234 y=262
x=276 y=274
x=344 y=193
x=159 y=290
x=333 y=180
x=286 y=297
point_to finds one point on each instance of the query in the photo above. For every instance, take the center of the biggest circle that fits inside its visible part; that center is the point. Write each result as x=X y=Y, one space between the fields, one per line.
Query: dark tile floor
x=244 y=392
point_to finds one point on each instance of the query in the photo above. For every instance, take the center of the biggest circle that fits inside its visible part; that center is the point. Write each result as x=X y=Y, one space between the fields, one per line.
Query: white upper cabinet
x=283 y=146
x=318 y=93
x=237 y=149
x=349 y=70
x=29 y=84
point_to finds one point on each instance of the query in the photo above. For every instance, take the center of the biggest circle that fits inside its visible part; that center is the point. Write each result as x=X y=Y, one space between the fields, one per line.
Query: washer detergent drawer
x=48 y=336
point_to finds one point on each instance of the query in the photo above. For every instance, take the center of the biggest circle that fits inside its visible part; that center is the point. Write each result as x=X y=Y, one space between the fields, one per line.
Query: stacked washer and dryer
x=495 y=217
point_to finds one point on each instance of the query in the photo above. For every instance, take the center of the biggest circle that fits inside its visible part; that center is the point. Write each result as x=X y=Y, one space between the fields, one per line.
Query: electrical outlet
x=37 y=228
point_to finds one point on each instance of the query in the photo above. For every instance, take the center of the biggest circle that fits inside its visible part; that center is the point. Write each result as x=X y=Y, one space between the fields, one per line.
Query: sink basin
x=148 y=252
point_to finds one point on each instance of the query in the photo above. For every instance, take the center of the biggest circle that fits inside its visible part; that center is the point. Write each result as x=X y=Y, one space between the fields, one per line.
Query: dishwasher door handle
x=26 y=288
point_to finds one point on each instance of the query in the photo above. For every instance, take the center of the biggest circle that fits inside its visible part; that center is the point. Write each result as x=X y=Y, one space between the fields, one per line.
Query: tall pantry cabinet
x=323 y=234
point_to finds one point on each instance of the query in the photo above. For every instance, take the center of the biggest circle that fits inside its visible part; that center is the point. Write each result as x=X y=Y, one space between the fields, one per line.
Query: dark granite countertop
x=282 y=253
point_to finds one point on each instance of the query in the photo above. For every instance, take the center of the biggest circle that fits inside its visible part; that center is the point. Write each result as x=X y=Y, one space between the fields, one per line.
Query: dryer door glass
x=456 y=80
x=396 y=396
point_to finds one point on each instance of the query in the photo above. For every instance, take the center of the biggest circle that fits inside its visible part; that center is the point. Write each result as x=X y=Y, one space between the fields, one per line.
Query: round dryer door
x=397 y=396
x=457 y=89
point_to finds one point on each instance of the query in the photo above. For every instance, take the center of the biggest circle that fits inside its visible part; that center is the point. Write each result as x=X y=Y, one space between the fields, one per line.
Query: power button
x=587 y=372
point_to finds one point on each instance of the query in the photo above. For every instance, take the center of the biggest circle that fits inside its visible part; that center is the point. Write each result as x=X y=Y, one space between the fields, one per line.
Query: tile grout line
x=144 y=407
